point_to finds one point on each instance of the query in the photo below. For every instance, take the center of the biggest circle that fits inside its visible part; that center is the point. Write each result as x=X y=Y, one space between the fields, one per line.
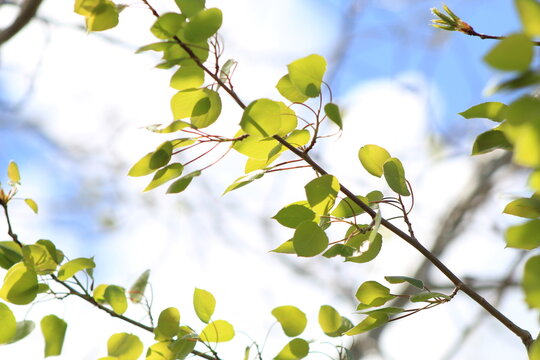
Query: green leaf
x=160 y=351
x=32 y=205
x=182 y=348
x=321 y=193
x=293 y=215
x=39 y=259
x=203 y=25
x=100 y=14
x=190 y=7
x=529 y=12
x=240 y=182
x=202 y=106
x=523 y=236
x=333 y=113
x=329 y=319
x=125 y=346
x=534 y=183
x=520 y=81
x=176 y=125
x=373 y=158
x=99 y=293
x=523 y=130
x=56 y=254
x=294 y=350
x=187 y=77
x=371 y=322
x=534 y=350
x=306 y=74
x=167 y=25
x=54 y=331
x=116 y=297
x=531 y=282
x=286 y=248
x=346 y=208
x=168 y=324
x=255 y=147
x=309 y=239
x=204 y=304
x=345 y=326
x=226 y=70
x=289 y=121
x=524 y=207
x=10 y=254
x=13 y=173
x=217 y=331
x=513 y=53
x=395 y=176
x=401 y=279
x=8 y=324
x=424 y=297
x=339 y=249
x=387 y=310
x=152 y=161
x=489 y=141
x=157 y=46
x=74 y=266
x=290 y=92
x=24 y=328
x=366 y=255
x=494 y=111
x=298 y=137
x=164 y=175
x=182 y=183
x=292 y=320
x=136 y=291
x=262 y=118
x=20 y=285
x=372 y=294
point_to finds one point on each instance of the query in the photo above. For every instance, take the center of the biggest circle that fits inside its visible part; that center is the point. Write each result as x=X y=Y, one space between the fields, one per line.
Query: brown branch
x=27 y=11
x=523 y=334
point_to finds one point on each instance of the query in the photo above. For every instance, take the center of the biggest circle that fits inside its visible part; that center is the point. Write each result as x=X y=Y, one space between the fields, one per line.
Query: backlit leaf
x=286 y=248
x=13 y=173
x=165 y=174
x=294 y=350
x=329 y=319
x=168 y=324
x=203 y=25
x=395 y=176
x=152 y=161
x=190 y=7
x=373 y=158
x=321 y=193
x=365 y=255
x=262 y=118
x=529 y=12
x=243 y=181
x=24 y=328
x=167 y=25
x=333 y=113
x=182 y=183
x=124 y=346
x=293 y=215
x=116 y=297
x=201 y=106
x=524 y=207
x=513 y=53
x=20 y=285
x=290 y=92
x=292 y=320
x=159 y=351
x=306 y=74
x=8 y=324
x=523 y=130
x=74 y=266
x=524 y=236
x=204 y=304
x=32 y=205
x=100 y=14
x=494 y=111
x=38 y=258
x=54 y=330
x=347 y=208
x=489 y=141
x=531 y=282
x=422 y=297
x=10 y=254
x=372 y=294
x=217 y=331
x=136 y=291
x=371 y=322
x=187 y=77
x=309 y=239
x=401 y=279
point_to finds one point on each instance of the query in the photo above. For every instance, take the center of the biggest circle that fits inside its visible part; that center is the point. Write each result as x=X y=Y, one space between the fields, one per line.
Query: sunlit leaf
x=489 y=141
x=309 y=239
x=116 y=297
x=217 y=331
x=227 y=69
x=373 y=158
x=136 y=291
x=524 y=207
x=243 y=181
x=333 y=113
x=201 y=106
x=182 y=183
x=529 y=12
x=152 y=161
x=24 y=328
x=286 y=248
x=524 y=236
x=125 y=346
x=401 y=279
x=72 y=267
x=523 y=130
x=514 y=53
x=10 y=254
x=290 y=92
x=164 y=175
x=190 y=7
x=293 y=321
x=371 y=322
x=364 y=255
x=494 y=111
x=54 y=330
x=306 y=74
x=204 y=304
x=38 y=258
x=160 y=351
x=294 y=350
x=168 y=324
x=321 y=193
x=100 y=14
x=395 y=176
x=167 y=25
x=262 y=118
x=32 y=205
x=531 y=282
x=176 y=125
x=428 y=296
x=203 y=25
x=187 y=77
x=329 y=319
x=293 y=215
x=20 y=285
x=347 y=208
x=8 y=324
x=182 y=347
x=13 y=173
x=157 y=46
x=372 y=294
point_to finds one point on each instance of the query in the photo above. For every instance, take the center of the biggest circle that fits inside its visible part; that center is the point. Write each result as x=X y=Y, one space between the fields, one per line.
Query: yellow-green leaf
x=203 y=25
x=54 y=330
x=168 y=324
x=136 y=291
x=20 y=285
x=306 y=74
x=164 y=175
x=296 y=349
x=290 y=92
x=116 y=297
x=529 y=12
x=513 y=53
x=124 y=346
x=524 y=236
x=74 y=266
x=321 y=193
x=262 y=118
x=217 y=331
x=395 y=176
x=293 y=321
x=329 y=319
x=13 y=173
x=373 y=158
x=8 y=324
x=204 y=304
x=32 y=204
